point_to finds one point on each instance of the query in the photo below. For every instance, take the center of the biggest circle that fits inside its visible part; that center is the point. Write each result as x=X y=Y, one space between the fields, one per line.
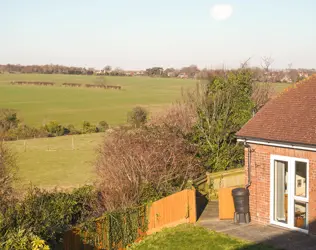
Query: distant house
x=171 y=74
x=280 y=159
x=139 y=73
x=286 y=78
x=303 y=74
x=183 y=76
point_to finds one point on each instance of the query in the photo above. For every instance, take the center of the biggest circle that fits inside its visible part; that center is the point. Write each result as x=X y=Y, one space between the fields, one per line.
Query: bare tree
x=107 y=68
x=245 y=63
x=261 y=94
x=180 y=117
x=130 y=162
x=266 y=62
x=289 y=66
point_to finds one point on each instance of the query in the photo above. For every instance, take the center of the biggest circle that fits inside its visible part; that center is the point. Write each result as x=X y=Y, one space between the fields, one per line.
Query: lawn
x=190 y=237
x=50 y=162
x=67 y=105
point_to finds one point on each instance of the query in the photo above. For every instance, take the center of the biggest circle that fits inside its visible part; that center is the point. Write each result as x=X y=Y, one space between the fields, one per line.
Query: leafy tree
x=224 y=106
x=137 y=117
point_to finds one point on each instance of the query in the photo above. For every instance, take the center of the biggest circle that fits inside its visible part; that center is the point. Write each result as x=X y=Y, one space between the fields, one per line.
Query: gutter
x=275 y=144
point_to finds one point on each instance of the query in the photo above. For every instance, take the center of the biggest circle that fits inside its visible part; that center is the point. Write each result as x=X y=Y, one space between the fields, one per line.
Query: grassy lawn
x=51 y=162
x=189 y=237
x=67 y=105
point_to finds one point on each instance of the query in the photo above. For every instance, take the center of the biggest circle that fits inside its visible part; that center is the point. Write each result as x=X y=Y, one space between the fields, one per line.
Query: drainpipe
x=249 y=163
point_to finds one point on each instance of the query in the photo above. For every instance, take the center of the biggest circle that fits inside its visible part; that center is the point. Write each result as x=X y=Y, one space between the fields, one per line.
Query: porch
x=270 y=235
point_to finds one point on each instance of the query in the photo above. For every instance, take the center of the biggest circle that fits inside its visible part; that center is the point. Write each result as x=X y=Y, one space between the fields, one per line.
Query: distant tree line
x=263 y=73
x=46 y=69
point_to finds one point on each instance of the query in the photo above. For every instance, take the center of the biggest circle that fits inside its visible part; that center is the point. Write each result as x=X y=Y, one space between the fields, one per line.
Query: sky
x=137 y=34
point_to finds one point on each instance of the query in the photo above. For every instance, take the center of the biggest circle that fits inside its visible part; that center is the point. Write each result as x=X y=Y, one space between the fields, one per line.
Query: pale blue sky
x=135 y=34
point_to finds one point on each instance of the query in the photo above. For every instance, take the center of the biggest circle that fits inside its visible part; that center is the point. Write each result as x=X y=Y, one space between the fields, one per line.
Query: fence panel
x=169 y=211
x=172 y=210
x=212 y=182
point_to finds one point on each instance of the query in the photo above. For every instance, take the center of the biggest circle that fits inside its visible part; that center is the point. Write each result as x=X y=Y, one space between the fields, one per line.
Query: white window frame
x=291 y=191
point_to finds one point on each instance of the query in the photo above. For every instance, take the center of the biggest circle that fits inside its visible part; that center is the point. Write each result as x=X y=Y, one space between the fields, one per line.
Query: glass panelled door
x=280 y=191
x=289 y=192
x=300 y=195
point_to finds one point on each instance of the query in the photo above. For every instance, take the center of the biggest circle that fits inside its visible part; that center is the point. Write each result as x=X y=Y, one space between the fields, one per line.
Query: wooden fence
x=170 y=211
x=212 y=182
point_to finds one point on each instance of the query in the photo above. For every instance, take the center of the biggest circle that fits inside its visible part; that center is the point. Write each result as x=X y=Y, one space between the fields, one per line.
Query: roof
x=290 y=117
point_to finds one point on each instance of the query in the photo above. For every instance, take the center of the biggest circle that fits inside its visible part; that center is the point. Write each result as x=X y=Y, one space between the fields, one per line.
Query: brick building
x=280 y=159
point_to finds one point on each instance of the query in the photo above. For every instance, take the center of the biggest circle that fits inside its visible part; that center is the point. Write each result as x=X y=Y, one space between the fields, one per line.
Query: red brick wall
x=260 y=177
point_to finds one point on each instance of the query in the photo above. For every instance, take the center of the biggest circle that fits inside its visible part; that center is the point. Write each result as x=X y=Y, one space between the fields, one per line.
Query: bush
x=102 y=126
x=22 y=240
x=25 y=132
x=54 y=129
x=71 y=130
x=87 y=127
x=8 y=120
x=8 y=169
x=49 y=214
x=137 y=117
x=152 y=160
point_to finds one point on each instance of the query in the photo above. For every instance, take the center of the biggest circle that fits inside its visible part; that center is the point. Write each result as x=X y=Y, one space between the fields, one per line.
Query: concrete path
x=277 y=237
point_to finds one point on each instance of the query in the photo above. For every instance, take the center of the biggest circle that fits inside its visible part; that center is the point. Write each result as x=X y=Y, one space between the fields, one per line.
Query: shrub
x=71 y=130
x=54 y=128
x=137 y=117
x=22 y=240
x=87 y=127
x=102 y=126
x=131 y=163
x=8 y=119
x=49 y=214
x=25 y=132
x=8 y=169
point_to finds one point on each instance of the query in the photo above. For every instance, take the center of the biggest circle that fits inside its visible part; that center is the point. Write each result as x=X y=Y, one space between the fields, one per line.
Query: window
x=300 y=179
x=300 y=215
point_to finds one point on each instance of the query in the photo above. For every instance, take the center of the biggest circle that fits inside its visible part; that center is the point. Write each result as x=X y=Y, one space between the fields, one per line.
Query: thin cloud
x=221 y=12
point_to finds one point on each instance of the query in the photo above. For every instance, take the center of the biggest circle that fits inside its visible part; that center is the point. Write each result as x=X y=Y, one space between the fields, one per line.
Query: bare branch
x=266 y=62
x=245 y=63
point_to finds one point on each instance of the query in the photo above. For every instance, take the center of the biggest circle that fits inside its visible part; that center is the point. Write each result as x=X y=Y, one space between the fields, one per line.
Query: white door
x=289 y=192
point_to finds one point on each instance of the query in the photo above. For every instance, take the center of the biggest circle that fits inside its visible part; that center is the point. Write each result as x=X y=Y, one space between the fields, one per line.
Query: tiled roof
x=290 y=117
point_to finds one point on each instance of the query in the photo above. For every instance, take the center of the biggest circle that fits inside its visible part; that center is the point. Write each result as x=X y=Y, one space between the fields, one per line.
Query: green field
x=65 y=161
x=67 y=105
x=52 y=162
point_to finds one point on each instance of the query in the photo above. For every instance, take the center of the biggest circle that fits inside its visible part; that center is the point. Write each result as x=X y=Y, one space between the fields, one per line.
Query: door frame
x=291 y=191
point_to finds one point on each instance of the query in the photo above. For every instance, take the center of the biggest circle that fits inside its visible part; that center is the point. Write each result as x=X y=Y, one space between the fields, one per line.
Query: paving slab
x=277 y=237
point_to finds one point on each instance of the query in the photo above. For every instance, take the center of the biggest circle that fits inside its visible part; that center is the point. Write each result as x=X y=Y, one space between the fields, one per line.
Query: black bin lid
x=240 y=192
